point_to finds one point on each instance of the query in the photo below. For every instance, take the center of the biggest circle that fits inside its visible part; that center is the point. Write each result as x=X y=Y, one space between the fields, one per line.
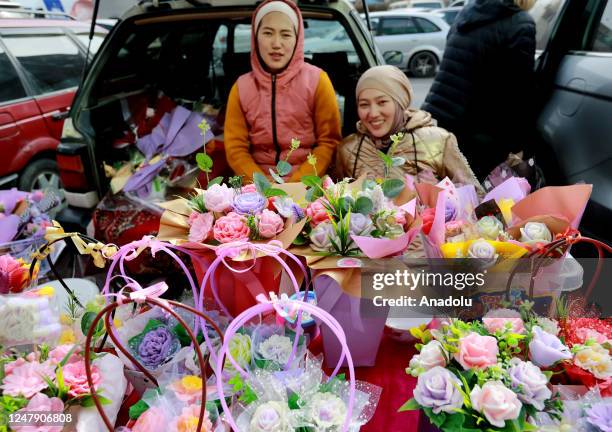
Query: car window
x=242 y=38
x=398 y=26
x=96 y=41
x=602 y=38
x=426 y=25
x=10 y=85
x=545 y=14
x=52 y=62
x=427 y=5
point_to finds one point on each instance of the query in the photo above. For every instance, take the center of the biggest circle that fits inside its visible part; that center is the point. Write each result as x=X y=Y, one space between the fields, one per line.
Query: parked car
x=575 y=89
x=417 y=4
x=41 y=63
x=419 y=36
x=169 y=48
x=449 y=14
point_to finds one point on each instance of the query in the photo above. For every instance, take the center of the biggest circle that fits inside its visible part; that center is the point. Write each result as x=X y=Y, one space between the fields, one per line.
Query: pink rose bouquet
x=478 y=376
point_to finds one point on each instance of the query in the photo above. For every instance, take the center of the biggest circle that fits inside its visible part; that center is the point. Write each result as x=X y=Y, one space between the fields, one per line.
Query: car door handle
x=61 y=115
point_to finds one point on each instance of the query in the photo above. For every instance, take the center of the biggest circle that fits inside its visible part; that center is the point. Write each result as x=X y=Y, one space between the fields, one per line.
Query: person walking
x=484 y=88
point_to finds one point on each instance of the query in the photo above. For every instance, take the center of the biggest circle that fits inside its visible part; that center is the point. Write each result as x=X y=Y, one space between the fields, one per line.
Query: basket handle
x=269 y=306
x=538 y=258
x=164 y=304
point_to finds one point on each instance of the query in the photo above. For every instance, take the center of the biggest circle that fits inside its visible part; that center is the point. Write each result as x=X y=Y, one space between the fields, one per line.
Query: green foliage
x=283 y=168
x=205 y=162
x=137 y=409
x=392 y=187
x=216 y=180
x=363 y=205
x=329 y=385
x=261 y=183
x=410 y=405
x=86 y=322
x=271 y=192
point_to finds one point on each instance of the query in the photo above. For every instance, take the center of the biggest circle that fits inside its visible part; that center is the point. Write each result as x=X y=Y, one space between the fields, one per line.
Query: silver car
x=419 y=36
x=575 y=79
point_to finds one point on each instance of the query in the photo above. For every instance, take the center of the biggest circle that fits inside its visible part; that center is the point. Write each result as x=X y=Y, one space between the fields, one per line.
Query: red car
x=41 y=63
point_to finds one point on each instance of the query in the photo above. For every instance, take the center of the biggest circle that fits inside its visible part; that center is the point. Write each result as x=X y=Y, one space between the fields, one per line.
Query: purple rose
x=249 y=203
x=528 y=381
x=546 y=349
x=156 y=346
x=360 y=225
x=450 y=211
x=438 y=389
x=600 y=416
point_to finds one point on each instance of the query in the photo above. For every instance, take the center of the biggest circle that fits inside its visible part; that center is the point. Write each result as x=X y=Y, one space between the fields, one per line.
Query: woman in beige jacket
x=383 y=99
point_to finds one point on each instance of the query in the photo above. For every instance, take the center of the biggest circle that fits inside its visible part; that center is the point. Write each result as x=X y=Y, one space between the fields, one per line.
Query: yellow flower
x=46 y=291
x=118 y=323
x=596 y=360
x=191 y=383
x=67 y=337
x=65 y=319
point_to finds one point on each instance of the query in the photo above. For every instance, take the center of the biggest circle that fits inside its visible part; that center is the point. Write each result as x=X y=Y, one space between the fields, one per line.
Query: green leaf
x=67 y=356
x=216 y=180
x=312 y=181
x=398 y=161
x=386 y=159
x=204 y=162
x=410 y=405
x=392 y=187
x=278 y=179
x=453 y=422
x=294 y=401
x=363 y=205
x=300 y=240
x=261 y=182
x=182 y=335
x=87 y=321
x=283 y=167
x=313 y=193
x=137 y=409
x=274 y=192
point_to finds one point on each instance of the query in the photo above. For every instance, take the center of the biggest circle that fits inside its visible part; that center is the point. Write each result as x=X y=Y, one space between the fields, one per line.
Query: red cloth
x=390 y=374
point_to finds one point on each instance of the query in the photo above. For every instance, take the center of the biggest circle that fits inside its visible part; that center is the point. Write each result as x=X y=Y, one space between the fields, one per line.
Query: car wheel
x=423 y=64
x=41 y=174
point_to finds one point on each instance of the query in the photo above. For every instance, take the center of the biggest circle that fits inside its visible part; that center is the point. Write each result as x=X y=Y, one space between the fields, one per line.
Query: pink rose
x=9 y=367
x=496 y=402
x=201 y=227
x=327 y=182
x=230 y=228
x=400 y=217
x=41 y=403
x=76 y=380
x=57 y=355
x=477 y=352
x=317 y=212
x=152 y=420
x=269 y=224
x=249 y=188
x=497 y=319
x=218 y=198
x=27 y=379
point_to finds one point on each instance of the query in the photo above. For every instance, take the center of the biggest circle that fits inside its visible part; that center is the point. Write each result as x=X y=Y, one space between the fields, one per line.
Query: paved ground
x=420 y=87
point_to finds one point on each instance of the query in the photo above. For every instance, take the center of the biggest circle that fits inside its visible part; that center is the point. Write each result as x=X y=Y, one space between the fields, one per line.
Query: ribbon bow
x=237 y=248
x=99 y=251
x=284 y=307
x=140 y=295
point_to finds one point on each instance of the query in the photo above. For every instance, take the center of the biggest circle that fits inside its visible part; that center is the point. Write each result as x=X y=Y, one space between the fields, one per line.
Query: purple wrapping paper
x=9 y=225
x=362 y=322
x=176 y=135
x=10 y=198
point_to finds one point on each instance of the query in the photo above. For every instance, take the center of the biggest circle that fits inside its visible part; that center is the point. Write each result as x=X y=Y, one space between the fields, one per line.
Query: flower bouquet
x=299 y=397
x=53 y=382
x=590 y=341
x=347 y=221
x=24 y=218
x=486 y=375
x=244 y=224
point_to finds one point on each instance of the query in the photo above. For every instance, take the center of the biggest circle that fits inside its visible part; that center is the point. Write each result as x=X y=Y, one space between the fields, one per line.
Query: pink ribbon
x=139 y=294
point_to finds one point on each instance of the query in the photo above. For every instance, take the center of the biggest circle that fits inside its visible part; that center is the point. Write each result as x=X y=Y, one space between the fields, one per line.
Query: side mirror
x=393 y=57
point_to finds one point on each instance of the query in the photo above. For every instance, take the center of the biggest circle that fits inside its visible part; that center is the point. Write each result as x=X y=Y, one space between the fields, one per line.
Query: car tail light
x=71 y=162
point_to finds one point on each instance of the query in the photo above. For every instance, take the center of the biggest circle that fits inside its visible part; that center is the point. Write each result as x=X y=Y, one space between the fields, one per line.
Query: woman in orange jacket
x=281 y=99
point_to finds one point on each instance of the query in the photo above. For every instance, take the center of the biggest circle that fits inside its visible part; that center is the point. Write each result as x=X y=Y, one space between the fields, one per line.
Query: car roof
x=404 y=12
x=41 y=23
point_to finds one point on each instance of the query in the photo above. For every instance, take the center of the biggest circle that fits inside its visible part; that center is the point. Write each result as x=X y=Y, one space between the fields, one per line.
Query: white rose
x=327 y=411
x=548 y=325
x=595 y=359
x=431 y=355
x=489 y=227
x=496 y=402
x=535 y=232
x=276 y=348
x=270 y=417
x=321 y=236
x=360 y=224
x=218 y=198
